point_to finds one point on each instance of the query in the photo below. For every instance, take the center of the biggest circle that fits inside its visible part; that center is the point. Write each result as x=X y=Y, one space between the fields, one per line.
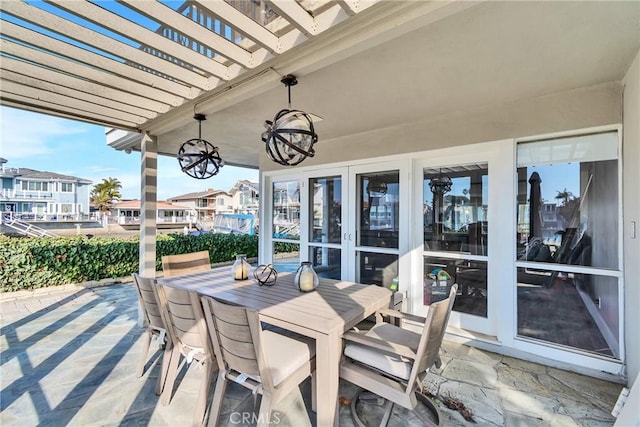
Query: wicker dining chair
x=391 y=362
x=148 y=298
x=177 y=265
x=186 y=327
x=263 y=361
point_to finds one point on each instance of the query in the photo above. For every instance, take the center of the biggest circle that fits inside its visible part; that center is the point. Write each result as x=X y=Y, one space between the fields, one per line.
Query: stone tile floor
x=69 y=358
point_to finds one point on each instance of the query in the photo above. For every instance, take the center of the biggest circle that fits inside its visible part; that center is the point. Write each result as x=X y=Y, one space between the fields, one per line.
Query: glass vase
x=306 y=278
x=240 y=267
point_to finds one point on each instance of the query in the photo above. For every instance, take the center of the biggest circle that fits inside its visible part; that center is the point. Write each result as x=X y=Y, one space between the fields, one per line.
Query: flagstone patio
x=68 y=357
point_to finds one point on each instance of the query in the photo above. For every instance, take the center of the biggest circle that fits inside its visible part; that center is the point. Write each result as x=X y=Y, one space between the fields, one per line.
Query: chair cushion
x=396 y=366
x=284 y=355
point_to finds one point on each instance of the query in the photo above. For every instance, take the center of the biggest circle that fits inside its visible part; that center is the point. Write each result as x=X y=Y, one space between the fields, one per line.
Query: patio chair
x=263 y=361
x=148 y=297
x=391 y=362
x=177 y=265
x=183 y=316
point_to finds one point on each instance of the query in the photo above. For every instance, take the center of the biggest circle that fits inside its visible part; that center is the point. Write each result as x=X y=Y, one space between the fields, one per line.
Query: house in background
x=243 y=198
x=246 y=197
x=127 y=213
x=30 y=194
x=206 y=203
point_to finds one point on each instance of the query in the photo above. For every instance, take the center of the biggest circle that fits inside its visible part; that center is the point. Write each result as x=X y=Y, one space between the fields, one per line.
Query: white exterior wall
x=631 y=214
x=575 y=109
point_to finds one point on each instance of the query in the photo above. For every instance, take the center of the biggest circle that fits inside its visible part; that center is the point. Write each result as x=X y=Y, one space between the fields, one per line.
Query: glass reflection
x=326 y=210
x=326 y=262
x=570 y=309
x=286 y=210
x=379 y=219
x=377 y=269
x=568 y=201
x=286 y=257
x=455 y=209
x=471 y=276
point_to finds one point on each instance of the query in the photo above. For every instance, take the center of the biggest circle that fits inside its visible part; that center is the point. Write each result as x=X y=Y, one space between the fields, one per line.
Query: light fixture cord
x=289 y=88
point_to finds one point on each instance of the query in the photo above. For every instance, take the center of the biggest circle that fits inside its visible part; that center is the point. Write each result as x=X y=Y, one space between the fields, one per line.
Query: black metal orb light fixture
x=440 y=184
x=199 y=158
x=290 y=137
x=377 y=185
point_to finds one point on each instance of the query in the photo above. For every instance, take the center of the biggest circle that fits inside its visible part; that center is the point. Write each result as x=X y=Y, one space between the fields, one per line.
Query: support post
x=148 y=199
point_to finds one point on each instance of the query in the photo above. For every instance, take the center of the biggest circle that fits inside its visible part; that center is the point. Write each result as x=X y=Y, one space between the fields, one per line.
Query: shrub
x=40 y=262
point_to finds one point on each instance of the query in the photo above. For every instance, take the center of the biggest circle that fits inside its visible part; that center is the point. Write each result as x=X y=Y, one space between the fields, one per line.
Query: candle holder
x=306 y=278
x=240 y=267
x=265 y=275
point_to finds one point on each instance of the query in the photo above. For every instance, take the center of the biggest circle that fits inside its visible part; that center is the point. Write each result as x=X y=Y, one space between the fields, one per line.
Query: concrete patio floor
x=68 y=358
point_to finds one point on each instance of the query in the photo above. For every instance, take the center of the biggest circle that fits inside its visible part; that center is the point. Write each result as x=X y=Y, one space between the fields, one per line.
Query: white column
x=148 y=197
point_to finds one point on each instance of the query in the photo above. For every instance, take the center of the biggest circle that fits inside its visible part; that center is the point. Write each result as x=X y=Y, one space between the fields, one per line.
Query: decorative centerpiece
x=240 y=267
x=306 y=278
x=265 y=275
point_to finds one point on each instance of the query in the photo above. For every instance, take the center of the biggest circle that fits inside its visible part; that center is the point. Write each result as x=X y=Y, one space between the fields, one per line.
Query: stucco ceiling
x=489 y=54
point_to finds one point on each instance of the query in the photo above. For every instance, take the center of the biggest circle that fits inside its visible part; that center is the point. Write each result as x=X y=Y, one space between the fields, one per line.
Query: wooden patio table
x=324 y=314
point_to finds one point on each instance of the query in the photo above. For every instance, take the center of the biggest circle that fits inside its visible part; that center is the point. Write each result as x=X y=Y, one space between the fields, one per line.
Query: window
x=66 y=187
x=568 y=223
x=456 y=236
x=567 y=194
x=202 y=203
x=286 y=225
x=66 y=208
x=286 y=210
x=220 y=201
x=34 y=186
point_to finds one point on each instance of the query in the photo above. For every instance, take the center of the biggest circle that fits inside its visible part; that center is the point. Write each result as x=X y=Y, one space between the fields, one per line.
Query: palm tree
x=564 y=195
x=105 y=193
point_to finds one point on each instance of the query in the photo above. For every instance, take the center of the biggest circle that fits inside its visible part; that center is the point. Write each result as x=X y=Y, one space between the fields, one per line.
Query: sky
x=47 y=143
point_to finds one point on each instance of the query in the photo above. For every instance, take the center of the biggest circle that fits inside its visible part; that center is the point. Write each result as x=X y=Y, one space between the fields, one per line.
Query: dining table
x=324 y=314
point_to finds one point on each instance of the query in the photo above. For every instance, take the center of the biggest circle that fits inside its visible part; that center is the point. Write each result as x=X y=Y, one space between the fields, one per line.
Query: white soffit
x=124 y=63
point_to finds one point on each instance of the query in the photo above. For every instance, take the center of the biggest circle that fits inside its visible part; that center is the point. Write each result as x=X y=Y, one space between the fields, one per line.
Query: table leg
x=328 y=353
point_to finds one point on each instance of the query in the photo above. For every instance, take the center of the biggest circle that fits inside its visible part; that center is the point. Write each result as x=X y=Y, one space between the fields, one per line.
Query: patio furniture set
x=270 y=339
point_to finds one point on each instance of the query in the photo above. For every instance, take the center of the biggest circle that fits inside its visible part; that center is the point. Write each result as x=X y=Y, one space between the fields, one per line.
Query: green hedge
x=40 y=262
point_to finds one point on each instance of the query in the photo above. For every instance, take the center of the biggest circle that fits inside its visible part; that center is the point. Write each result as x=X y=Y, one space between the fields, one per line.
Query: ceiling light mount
x=290 y=136
x=199 y=158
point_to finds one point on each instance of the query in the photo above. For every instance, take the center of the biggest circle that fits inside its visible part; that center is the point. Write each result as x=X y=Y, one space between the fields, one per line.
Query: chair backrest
x=232 y=329
x=184 y=319
x=433 y=332
x=148 y=297
x=177 y=265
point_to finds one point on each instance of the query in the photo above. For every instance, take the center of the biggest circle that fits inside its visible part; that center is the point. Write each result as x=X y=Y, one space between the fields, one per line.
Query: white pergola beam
x=34 y=38
x=82 y=85
x=118 y=78
x=353 y=7
x=192 y=30
x=148 y=208
x=32 y=82
x=98 y=15
x=46 y=107
x=106 y=44
x=247 y=26
x=66 y=100
x=296 y=15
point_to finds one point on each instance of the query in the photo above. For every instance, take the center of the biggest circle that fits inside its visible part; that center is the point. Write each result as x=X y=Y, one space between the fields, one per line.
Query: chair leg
x=201 y=403
x=354 y=413
x=314 y=395
x=171 y=377
x=218 y=397
x=164 y=369
x=145 y=352
x=264 y=416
